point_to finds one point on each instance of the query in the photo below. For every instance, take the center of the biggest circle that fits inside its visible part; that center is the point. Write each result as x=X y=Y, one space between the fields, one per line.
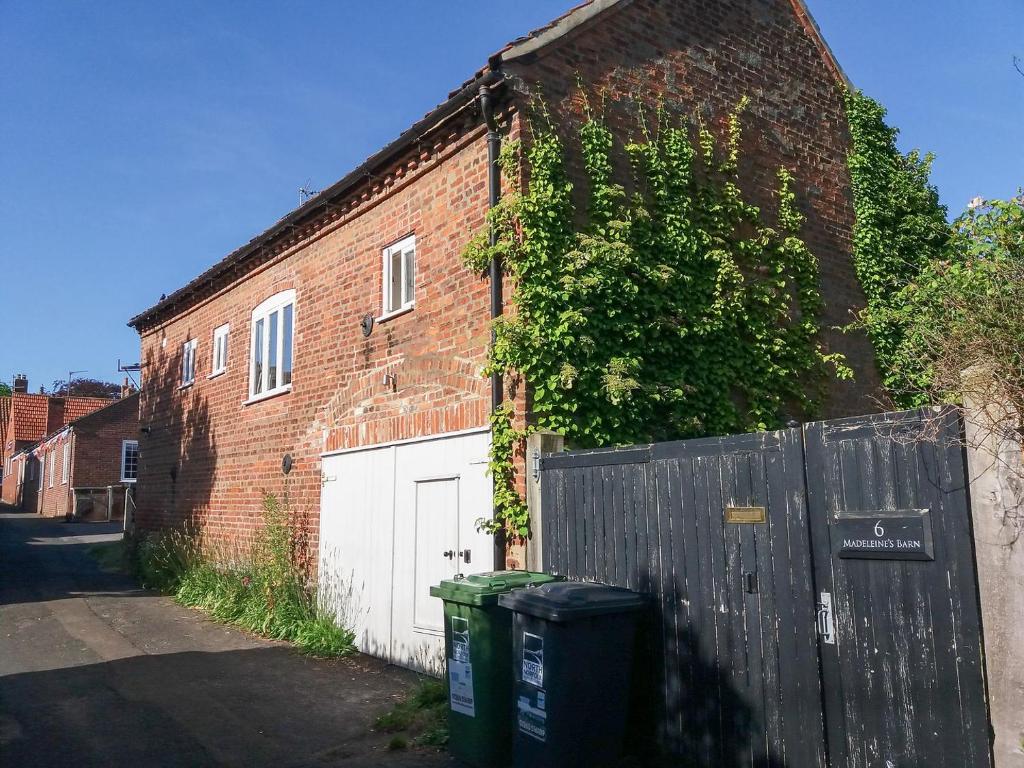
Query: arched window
x=270 y=347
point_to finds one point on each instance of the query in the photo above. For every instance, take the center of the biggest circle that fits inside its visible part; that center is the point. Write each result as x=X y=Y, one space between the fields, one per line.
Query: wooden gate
x=787 y=632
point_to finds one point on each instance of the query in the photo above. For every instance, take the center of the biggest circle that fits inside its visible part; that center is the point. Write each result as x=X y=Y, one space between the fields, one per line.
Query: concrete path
x=96 y=672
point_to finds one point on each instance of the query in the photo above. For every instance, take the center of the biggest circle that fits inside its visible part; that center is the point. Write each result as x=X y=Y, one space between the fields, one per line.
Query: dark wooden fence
x=815 y=588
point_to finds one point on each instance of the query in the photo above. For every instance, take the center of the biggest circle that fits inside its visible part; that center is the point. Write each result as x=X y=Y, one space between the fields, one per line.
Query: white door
x=395 y=521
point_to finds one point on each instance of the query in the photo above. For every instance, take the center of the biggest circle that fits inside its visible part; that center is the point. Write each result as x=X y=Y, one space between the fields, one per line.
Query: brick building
x=83 y=468
x=336 y=358
x=30 y=418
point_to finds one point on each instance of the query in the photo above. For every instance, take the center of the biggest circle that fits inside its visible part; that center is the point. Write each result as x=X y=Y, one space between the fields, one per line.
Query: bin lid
x=484 y=588
x=571 y=600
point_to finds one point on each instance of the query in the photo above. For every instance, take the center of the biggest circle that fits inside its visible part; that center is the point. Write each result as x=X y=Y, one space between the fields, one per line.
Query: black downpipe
x=493 y=196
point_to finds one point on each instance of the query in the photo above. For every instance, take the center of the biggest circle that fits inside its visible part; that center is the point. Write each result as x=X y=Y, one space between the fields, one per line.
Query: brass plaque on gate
x=744 y=515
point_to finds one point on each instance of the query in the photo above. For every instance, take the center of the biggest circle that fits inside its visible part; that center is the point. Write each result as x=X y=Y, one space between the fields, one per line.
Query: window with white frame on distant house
x=42 y=473
x=49 y=469
x=400 y=275
x=129 y=461
x=270 y=347
x=65 y=473
x=188 y=362
x=220 y=350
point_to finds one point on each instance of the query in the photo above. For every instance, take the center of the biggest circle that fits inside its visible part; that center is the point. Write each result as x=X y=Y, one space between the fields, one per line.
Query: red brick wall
x=701 y=58
x=208 y=456
x=97 y=444
x=55 y=499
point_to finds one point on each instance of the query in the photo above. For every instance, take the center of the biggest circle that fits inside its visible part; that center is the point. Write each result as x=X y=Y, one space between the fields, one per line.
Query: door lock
x=450 y=553
x=465 y=555
x=825 y=622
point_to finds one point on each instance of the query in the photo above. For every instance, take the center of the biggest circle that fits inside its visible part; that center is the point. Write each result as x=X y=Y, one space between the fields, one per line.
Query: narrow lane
x=96 y=672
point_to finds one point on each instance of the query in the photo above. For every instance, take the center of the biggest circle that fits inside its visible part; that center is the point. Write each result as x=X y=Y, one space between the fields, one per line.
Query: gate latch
x=826 y=627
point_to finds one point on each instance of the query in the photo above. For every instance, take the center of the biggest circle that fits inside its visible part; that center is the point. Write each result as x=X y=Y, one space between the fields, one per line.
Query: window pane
x=130 y=465
x=272 y=352
x=410 y=277
x=257 y=358
x=286 y=346
x=224 y=350
x=395 y=286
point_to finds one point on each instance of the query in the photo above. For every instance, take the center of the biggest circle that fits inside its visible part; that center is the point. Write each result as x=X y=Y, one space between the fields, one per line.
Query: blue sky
x=140 y=142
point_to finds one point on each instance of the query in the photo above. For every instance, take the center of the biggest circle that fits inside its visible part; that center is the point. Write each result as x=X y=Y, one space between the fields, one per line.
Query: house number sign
x=902 y=534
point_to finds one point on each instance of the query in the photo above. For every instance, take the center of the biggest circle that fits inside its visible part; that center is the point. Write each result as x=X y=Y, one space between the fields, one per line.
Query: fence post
x=110 y=503
x=537 y=444
x=996 y=470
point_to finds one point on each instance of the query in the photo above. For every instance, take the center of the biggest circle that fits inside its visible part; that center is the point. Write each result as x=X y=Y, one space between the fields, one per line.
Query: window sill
x=127 y=481
x=186 y=385
x=215 y=374
x=268 y=395
x=395 y=313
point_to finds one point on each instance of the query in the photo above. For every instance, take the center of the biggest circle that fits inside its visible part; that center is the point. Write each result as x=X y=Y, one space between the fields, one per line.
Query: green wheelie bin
x=478 y=646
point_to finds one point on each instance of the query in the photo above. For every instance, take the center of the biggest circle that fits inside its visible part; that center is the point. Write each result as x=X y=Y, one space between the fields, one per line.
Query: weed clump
x=263 y=590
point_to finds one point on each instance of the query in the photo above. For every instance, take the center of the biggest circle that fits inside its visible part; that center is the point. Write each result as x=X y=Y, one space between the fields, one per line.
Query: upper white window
x=188 y=361
x=49 y=470
x=65 y=472
x=270 y=348
x=400 y=275
x=129 y=461
x=220 y=350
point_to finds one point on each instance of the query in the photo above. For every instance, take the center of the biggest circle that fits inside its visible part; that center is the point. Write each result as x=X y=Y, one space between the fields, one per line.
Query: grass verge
x=422 y=717
x=109 y=556
x=265 y=591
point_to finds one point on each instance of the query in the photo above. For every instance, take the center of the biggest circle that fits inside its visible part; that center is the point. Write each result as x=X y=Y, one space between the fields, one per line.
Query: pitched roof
x=5 y=416
x=77 y=407
x=29 y=415
x=490 y=74
x=35 y=416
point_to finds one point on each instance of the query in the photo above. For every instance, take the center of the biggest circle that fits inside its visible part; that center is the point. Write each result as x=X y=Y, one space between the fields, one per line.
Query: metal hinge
x=826 y=627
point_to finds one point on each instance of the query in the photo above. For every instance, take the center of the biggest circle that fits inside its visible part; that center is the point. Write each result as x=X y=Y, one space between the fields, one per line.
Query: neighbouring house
x=30 y=418
x=335 y=359
x=85 y=468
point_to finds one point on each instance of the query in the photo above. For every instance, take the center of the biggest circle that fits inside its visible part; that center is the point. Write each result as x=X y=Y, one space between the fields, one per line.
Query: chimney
x=20 y=383
x=126 y=388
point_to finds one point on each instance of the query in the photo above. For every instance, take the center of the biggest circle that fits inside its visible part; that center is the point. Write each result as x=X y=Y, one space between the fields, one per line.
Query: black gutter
x=495 y=271
x=317 y=205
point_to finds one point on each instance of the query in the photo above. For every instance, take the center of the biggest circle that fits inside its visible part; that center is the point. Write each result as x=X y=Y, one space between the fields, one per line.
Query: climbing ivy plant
x=673 y=311
x=900 y=228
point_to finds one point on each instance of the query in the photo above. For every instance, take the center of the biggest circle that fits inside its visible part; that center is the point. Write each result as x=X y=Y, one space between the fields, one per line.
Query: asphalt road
x=96 y=672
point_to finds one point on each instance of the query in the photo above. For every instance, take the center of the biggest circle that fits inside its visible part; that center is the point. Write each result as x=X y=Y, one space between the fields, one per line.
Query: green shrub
x=263 y=590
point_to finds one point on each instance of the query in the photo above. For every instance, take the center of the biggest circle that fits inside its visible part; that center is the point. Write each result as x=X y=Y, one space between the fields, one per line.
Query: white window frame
x=42 y=473
x=65 y=470
x=124 y=455
x=49 y=470
x=406 y=302
x=221 y=348
x=188 y=361
x=275 y=304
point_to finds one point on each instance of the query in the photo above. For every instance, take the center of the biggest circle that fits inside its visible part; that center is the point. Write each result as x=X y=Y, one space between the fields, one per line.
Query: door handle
x=465 y=555
x=450 y=553
x=750 y=582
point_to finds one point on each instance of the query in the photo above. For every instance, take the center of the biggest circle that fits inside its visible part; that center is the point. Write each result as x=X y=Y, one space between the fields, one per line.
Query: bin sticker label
x=533 y=659
x=460 y=639
x=532 y=718
x=460 y=684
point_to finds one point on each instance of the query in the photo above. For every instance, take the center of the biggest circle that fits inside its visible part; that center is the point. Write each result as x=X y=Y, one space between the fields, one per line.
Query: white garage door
x=394 y=521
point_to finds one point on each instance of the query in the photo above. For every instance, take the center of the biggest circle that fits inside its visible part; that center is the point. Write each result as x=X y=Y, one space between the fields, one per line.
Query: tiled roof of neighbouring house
x=77 y=407
x=29 y=412
x=5 y=416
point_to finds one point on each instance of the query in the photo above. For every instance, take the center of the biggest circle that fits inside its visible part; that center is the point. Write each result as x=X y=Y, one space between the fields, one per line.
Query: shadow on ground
x=259 y=707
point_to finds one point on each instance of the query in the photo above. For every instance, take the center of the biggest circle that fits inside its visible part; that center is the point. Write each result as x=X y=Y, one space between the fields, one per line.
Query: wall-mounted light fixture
x=390 y=382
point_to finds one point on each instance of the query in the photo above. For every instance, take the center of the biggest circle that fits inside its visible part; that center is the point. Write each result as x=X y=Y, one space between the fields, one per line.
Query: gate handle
x=465 y=554
x=449 y=553
x=750 y=582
